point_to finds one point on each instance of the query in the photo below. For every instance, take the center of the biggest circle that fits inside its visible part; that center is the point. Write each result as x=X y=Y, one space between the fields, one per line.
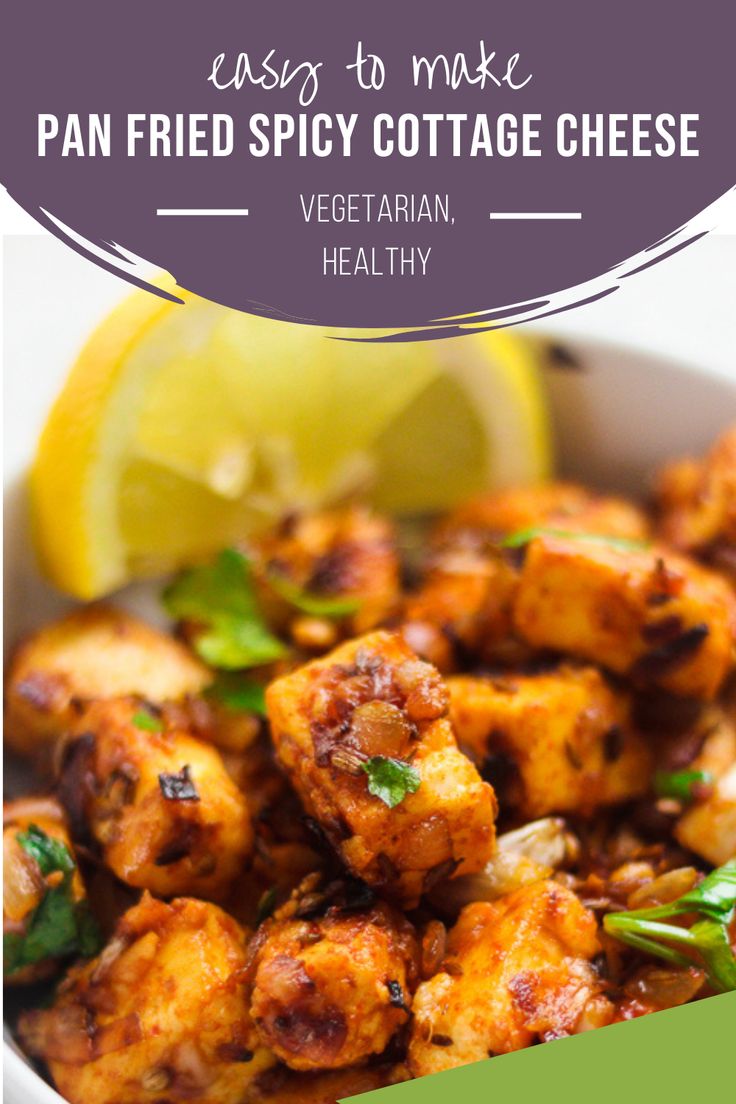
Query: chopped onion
x=665 y=986
x=23 y=883
x=528 y=854
x=546 y=841
x=379 y=728
x=664 y=889
x=68 y=1034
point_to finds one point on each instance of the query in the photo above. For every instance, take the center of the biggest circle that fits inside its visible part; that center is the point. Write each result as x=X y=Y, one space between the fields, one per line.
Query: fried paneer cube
x=160 y=1015
x=345 y=554
x=708 y=824
x=95 y=652
x=559 y=505
x=709 y=827
x=157 y=801
x=463 y=609
x=464 y=605
x=40 y=874
x=516 y=971
x=696 y=500
x=372 y=706
x=329 y=991
x=565 y=735
x=650 y=614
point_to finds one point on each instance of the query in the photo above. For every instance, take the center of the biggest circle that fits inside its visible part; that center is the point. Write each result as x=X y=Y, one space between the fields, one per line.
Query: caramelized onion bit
x=665 y=986
x=426 y=693
x=380 y=728
x=23 y=883
x=528 y=854
x=69 y=1034
x=32 y=808
x=630 y=877
x=546 y=841
x=664 y=889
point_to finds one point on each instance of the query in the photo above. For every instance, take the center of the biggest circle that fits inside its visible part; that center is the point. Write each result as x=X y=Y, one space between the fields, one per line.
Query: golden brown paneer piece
x=346 y=554
x=708 y=825
x=696 y=500
x=160 y=1015
x=38 y=864
x=463 y=610
x=516 y=971
x=95 y=652
x=369 y=702
x=157 y=801
x=464 y=606
x=330 y=986
x=650 y=614
x=559 y=505
x=563 y=738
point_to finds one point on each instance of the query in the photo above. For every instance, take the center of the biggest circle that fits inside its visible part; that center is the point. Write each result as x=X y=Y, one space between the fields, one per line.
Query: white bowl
x=616 y=417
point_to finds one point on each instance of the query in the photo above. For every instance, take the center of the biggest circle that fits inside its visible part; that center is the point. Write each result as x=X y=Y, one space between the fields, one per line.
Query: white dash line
x=195 y=211
x=539 y=215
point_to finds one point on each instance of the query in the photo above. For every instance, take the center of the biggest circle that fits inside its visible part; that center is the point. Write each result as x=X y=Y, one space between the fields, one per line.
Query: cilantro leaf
x=318 y=605
x=525 y=536
x=713 y=902
x=51 y=854
x=148 y=722
x=238 y=693
x=391 y=779
x=220 y=598
x=60 y=925
x=680 y=784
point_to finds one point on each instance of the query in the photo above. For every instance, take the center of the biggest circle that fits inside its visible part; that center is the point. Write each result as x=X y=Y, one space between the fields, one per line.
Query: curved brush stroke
x=120 y=261
x=638 y=263
x=457 y=326
x=663 y=256
x=463 y=331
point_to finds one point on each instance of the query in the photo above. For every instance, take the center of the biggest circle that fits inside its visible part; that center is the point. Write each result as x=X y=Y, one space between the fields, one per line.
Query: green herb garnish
x=50 y=854
x=714 y=904
x=317 y=605
x=60 y=925
x=525 y=536
x=238 y=693
x=220 y=597
x=148 y=722
x=679 y=784
x=391 y=779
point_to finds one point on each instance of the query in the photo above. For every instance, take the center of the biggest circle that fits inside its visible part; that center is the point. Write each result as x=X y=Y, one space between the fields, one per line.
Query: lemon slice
x=182 y=428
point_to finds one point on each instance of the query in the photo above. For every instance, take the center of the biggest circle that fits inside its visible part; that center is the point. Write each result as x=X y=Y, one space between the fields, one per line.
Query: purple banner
x=372 y=165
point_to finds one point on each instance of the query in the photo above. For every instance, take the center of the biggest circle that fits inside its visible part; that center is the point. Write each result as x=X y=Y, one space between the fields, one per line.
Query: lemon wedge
x=182 y=428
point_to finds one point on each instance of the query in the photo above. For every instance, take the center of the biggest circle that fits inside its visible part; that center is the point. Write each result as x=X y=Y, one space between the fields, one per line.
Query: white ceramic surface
x=615 y=420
